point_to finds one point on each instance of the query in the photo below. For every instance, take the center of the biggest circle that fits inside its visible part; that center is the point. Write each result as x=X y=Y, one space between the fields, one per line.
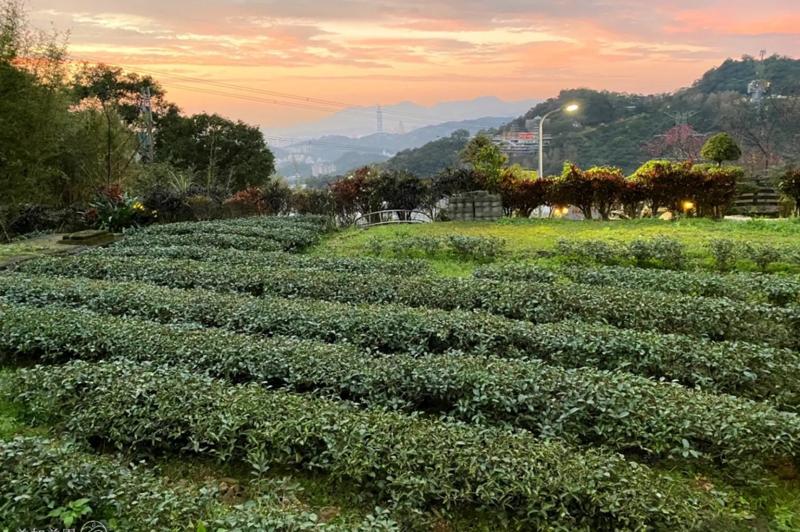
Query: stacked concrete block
x=471 y=206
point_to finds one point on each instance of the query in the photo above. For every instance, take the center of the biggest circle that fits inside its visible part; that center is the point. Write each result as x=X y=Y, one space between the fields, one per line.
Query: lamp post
x=571 y=108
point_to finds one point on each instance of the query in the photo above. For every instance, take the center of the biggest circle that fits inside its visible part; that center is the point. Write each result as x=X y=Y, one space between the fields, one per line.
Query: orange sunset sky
x=364 y=52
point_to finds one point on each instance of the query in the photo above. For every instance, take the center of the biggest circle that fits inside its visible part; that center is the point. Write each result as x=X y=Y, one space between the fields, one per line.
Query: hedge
x=288 y=236
x=584 y=406
x=714 y=318
x=754 y=288
x=414 y=462
x=38 y=476
x=271 y=259
x=219 y=241
x=747 y=370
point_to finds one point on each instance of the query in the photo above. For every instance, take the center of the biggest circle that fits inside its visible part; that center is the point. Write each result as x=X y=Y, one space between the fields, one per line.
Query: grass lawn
x=32 y=247
x=523 y=238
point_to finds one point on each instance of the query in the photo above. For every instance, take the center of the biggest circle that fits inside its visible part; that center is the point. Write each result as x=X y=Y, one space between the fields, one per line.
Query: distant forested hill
x=625 y=129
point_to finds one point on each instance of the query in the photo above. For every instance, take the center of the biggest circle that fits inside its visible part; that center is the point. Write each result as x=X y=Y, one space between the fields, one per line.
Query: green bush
x=738 y=368
x=270 y=259
x=755 y=288
x=411 y=461
x=596 y=251
x=478 y=248
x=725 y=253
x=713 y=318
x=763 y=255
x=582 y=406
x=44 y=478
x=474 y=248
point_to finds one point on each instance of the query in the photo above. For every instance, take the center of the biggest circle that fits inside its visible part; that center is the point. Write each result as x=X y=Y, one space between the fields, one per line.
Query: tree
x=456 y=181
x=680 y=142
x=573 y=187
x=664 y=183
x=486 y=158
x=523 y=191
x=352 y=194
x=117 y=94
x=398 y=190
x=607 y=184
x=720 y=148
x=789 y=185
x=227 y=155
x=432 y=158
x=714 y=188
x=33 y=109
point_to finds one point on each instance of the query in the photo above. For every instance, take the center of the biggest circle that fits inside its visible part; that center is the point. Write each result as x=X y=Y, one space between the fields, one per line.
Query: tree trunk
x=109 y=143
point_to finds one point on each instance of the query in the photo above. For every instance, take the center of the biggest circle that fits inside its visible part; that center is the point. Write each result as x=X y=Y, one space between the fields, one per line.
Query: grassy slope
x=525 y=237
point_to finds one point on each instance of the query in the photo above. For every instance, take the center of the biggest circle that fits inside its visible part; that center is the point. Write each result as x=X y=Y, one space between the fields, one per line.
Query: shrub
x=477 y=248
x=755 y=288
x=789 y=185
x=665 y=251
x=763 y=255
x=663 y=183
x=45 y=478
x=574 y=187
x=747 y=370
x=522 y=194
x=313 y=201
x=115 y=210
x=540 y=483
x=718 y=319
x=607 y=188
x=598 y=251
x=725 y=253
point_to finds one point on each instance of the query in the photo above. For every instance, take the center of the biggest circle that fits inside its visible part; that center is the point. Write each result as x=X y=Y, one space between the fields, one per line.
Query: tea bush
x=411 y=461
x=42 y=476
x=472 y=248
x=579 y=405
x=714 y=318
x=742 y=369
x=755 y=288
x=271 y=259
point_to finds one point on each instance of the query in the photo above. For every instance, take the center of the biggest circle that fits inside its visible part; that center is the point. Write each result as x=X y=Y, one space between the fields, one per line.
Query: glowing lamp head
x=571 y=108
x=688 y=206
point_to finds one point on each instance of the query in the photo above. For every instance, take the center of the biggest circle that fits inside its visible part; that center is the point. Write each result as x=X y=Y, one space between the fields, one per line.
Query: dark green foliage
x=271 y=259
x=789 y=185
x=717 y=319
x=580 y=405
x=432 y=158
x=223 y=153
x=747 y=370
x=411 y=461
x=41 y=476
x=755 y=288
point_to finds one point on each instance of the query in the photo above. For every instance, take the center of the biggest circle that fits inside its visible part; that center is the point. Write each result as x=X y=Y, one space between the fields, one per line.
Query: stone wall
x=479 y=205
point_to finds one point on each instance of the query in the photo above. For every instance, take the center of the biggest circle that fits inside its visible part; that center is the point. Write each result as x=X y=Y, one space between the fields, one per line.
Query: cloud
x=382 y=50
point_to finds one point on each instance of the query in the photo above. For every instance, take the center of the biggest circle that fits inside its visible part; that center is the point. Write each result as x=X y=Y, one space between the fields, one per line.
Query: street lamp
x=570 y=108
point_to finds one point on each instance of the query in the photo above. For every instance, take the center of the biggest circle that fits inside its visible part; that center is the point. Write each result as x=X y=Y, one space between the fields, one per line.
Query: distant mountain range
x=403 y=117
x=337 y=154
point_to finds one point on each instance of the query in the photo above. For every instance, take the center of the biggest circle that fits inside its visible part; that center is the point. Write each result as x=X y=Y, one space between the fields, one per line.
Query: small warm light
x=688 y=206
x=571 y=108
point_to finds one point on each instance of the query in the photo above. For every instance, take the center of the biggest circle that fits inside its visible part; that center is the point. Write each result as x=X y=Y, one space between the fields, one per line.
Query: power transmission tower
x=681 y=118
x=380 y=119
x=147 y=142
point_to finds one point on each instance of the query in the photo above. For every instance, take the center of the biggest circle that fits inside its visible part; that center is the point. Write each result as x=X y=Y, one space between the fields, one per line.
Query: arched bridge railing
x=393 y=216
